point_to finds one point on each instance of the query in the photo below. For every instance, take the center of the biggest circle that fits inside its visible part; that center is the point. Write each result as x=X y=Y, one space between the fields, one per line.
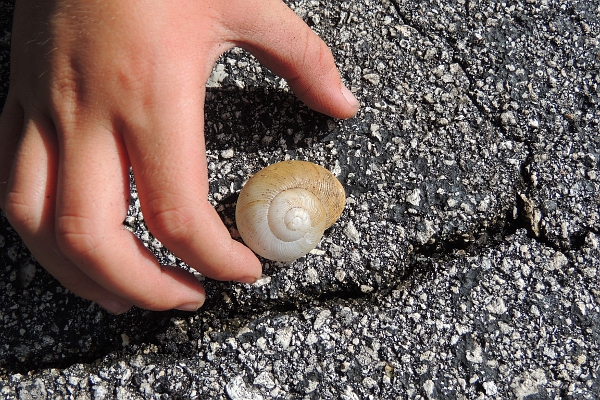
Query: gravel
x=466 y=263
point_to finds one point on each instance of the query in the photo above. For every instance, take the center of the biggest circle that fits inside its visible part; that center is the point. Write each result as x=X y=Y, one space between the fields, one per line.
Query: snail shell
x=284 y=209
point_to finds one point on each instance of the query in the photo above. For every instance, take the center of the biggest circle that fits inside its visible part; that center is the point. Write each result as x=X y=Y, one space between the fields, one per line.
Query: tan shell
x=284 y=209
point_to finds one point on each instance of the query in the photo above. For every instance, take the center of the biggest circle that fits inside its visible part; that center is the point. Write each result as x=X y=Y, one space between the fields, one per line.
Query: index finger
x=287 y=46
x=167 y=152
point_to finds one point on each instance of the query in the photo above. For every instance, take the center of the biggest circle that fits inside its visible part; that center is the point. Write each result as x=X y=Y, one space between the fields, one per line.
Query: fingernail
x=248 y=279
x=350 y=97
x=189 y=306
x=113 y=306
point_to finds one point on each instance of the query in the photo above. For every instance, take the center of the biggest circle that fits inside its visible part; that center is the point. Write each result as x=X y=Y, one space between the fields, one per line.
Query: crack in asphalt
x=523 y=219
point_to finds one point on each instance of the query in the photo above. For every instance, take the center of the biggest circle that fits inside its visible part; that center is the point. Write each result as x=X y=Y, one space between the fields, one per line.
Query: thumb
x=280 y=40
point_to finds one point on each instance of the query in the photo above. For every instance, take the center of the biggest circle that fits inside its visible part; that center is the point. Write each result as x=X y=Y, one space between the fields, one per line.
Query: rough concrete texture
x=466 y=263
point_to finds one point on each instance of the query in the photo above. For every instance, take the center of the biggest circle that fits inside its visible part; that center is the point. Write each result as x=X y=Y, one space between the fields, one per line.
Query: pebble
x=374 y=79
x=227 y=154
x=352 y=233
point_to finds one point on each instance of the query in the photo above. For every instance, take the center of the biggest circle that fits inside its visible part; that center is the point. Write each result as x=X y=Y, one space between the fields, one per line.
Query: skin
x=99 y=86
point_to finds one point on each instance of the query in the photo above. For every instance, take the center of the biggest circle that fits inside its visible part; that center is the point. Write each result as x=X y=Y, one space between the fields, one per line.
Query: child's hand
x=97 y=86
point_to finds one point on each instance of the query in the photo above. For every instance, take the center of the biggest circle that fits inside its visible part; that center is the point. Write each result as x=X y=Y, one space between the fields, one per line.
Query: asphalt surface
x=467 y=261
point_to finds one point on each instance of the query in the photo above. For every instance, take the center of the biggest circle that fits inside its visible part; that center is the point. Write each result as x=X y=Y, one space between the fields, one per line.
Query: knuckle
x=316 y=52
x=171 y=224
x=20 y=212
x=77 y=235
x=64 y=94
x=314 y=61
x=326 y=62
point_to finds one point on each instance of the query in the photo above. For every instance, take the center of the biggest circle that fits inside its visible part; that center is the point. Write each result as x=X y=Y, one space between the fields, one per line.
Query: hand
x=99 y=86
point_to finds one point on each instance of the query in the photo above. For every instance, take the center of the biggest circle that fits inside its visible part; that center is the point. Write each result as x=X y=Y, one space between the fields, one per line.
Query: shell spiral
x=284 y=209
